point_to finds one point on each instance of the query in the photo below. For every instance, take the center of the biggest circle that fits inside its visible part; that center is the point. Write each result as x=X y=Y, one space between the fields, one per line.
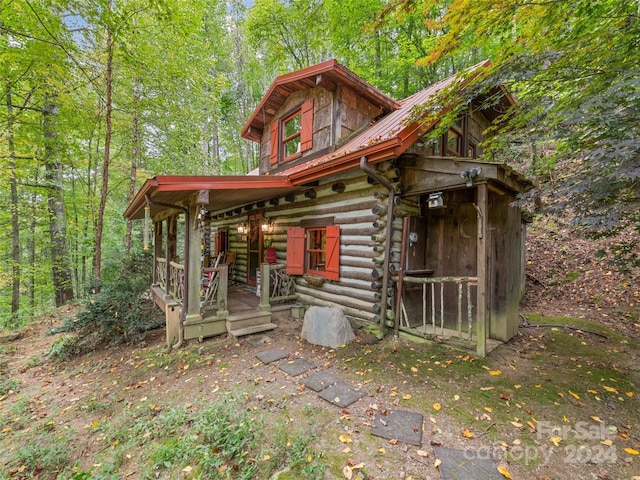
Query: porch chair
x=230 y=259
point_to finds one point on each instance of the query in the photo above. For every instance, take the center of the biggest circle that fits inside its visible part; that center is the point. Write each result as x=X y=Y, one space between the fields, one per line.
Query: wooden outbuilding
x=354 y=205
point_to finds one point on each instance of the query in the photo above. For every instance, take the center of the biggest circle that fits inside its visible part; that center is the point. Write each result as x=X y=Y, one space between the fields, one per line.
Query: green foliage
x=120 y=312
x=573 y=66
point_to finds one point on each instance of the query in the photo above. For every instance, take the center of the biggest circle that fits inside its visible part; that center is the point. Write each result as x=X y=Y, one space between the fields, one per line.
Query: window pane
x=293 y=125
x=453 y=141
x=316 y=248
x=292 y=146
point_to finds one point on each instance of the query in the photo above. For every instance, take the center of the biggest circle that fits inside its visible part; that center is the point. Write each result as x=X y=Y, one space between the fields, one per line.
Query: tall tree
x=575 y=68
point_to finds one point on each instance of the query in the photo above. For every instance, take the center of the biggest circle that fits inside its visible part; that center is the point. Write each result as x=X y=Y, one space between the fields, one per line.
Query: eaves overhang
x=224 y=191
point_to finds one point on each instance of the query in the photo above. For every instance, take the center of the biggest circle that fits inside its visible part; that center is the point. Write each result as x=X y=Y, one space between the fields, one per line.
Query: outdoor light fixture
x=470 y=175
x=242 y=229
x=267 y=226
x=436 y=200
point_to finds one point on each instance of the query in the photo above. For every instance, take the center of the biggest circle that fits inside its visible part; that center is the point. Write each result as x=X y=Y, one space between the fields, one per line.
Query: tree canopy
x=98 y=95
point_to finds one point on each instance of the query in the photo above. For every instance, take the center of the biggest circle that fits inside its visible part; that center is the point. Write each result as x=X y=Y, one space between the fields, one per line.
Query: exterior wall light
x=267 y=226
x=470 y=175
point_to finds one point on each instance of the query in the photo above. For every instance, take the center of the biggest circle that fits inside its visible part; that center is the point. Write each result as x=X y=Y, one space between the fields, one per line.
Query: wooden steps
x=248 y=323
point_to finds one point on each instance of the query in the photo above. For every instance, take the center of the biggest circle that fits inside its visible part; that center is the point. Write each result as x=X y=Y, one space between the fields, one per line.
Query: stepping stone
x=466 y=464
x=341 y=394
x=404 y=426
x=318 y=381
x=296 y=367
x=269 y=356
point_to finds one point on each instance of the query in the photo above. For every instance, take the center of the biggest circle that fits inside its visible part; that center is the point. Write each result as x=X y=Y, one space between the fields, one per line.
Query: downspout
x=387 y=248
x=185 y=300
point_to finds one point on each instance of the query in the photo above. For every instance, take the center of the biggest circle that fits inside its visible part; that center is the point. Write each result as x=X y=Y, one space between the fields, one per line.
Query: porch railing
x=214 y=288
x=176 y=281
x=435 y=307
x=161 y=272
x=281 y=285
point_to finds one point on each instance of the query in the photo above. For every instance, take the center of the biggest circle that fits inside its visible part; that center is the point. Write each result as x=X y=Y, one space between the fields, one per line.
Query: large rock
x=326 y=326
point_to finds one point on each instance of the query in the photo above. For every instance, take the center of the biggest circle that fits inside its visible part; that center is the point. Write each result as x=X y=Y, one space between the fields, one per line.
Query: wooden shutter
x=273 y=156
x=295 y=251
x=306 y=130
x=333 y=252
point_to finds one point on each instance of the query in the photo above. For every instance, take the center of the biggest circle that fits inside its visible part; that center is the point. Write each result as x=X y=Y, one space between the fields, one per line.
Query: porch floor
x=242 y=298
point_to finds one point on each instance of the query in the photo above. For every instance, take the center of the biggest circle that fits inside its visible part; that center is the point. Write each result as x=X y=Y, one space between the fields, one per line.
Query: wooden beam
x=482 y=272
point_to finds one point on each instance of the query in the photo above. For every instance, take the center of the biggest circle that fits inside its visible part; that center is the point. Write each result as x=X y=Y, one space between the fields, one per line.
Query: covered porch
x=198 y=295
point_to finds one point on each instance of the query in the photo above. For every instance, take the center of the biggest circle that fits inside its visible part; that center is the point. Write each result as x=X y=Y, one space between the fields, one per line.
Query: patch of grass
x=44 y=456
x=8 y=386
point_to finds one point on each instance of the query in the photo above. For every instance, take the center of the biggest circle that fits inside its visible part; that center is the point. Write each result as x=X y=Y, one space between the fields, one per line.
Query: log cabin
x=356 y=204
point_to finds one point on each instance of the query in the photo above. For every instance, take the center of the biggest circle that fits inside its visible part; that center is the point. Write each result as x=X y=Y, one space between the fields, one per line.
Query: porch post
x=481 y=308
x=172 y=231
x=265 y=286
x=157 y=248
x=194 y=269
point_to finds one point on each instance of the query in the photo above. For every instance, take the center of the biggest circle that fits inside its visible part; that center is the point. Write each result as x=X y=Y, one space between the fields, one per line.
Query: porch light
x=267 y=226
x=436 y=200
x=470 y=175
x=242 y=229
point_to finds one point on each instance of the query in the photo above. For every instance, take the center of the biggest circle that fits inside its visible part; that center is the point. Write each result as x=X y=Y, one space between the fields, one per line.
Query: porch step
x=255 y=329
x=246 y=320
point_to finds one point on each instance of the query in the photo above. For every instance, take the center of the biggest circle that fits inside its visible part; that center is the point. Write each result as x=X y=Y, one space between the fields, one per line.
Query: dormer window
x=292 y=134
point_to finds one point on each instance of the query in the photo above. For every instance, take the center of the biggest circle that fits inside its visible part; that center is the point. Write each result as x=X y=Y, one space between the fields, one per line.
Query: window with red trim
x=314 y=250
x=292 y=134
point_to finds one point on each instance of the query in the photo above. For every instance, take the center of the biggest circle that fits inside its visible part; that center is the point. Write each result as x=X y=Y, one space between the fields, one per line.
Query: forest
x=98 y=95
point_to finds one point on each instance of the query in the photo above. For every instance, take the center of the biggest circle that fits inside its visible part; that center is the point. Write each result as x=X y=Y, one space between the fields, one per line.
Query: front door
x=254 y=256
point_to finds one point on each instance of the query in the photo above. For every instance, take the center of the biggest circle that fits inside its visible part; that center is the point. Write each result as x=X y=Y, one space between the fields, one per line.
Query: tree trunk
x=62 y=284
x=107 y=154
x=15 y=226
x=135 y=152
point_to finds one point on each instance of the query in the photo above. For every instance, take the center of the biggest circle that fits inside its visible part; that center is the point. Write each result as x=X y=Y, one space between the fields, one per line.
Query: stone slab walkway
x=404 y=426
x=465 y=465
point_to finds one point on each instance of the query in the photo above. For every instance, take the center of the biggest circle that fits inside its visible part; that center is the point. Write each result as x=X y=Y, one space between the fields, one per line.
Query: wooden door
x=254 y=246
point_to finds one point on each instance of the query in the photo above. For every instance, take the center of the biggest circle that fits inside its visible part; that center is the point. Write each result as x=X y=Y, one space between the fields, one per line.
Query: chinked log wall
x=353 y=201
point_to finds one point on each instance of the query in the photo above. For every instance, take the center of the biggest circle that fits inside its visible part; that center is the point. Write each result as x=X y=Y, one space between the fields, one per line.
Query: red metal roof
x=225 y=191
x=328 y=74
x=387 y=138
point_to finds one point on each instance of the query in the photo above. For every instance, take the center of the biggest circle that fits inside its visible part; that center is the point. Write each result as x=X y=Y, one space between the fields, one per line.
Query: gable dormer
x=310 y=112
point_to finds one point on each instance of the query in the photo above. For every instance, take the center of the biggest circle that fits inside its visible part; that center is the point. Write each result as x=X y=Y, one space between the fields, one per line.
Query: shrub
x=120 y=312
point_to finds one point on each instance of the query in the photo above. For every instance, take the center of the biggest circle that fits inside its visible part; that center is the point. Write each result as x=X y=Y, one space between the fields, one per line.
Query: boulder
x=326 y=326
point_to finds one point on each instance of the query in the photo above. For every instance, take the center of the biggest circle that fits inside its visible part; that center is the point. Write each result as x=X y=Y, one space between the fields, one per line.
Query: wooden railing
x=176 y=281
x=281 y=285
x=214 y=288
x=435 y=307
x=161 y=272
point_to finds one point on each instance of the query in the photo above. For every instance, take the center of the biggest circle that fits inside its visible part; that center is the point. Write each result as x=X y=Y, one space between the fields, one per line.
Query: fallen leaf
x=346 y=450
x=345 y=438
x=597 y=419
x=505 y=473
x=437 y=463
x=607 y=442
x=406 y=396
x=631 y=451
x=347 y=472
x=437 y=406
x=495 y=372
x=574 y=395
x=423 y=453
x=382 y=450
x=610 y=389
x=266 y=458
x=187 y=469
x=466 y=433
x=555 y=440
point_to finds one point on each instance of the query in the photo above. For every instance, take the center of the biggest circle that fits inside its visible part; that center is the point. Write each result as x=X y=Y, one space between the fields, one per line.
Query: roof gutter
x=387 y=247
x=187 y=245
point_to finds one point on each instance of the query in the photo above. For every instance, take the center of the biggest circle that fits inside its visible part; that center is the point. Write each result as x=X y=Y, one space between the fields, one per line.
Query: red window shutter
x=295 y=251
x=306 y=130
x=273 y=156
x=333 y=252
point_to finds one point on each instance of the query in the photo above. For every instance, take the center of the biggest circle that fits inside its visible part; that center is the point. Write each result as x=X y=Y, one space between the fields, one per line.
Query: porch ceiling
x=225 y=192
